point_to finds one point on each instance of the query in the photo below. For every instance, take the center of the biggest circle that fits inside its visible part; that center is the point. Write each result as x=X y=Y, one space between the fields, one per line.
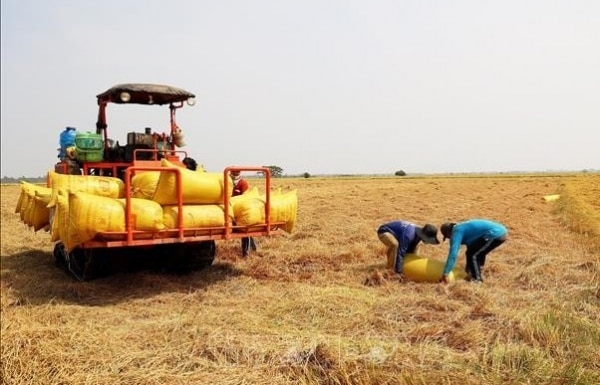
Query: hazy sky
x=323 y=86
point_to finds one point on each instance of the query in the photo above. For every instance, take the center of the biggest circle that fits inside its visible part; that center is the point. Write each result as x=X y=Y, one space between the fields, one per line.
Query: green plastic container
x=87 y=141
x=90 y=155
x=90 y=147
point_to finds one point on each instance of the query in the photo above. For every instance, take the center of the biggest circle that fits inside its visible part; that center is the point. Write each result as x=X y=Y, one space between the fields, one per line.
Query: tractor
x=97 y=153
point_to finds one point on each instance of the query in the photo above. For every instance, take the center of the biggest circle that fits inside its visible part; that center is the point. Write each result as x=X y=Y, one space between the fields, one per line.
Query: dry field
x=315 y=307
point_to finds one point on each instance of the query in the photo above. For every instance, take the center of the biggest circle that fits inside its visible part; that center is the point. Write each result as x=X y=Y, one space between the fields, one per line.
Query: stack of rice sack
x=75 y=208
x=202 y=195
x=202 y=198
x=84 y=205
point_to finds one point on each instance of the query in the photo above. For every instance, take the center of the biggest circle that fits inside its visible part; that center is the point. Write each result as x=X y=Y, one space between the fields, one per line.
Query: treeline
x=7 y=179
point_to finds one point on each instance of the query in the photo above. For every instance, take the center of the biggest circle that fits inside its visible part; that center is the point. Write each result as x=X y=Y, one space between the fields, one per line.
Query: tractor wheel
x=59 y=254
x=78 y=262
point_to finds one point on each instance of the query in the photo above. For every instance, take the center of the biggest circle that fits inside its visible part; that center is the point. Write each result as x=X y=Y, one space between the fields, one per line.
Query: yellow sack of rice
x=40 y=213
x=250 y=193
x=28 y=192
x=143 y=184
x=92 y=214
x=105 y=186
x=197 y=187
x=284 y=208
x=25 y=187
x=195 y=216
x=43 y=196
x=21 y=198
x=422 y=269
x=25 y=205
x=29 y=207
x=147 y=215
x=60 y=221
x=249 y=211
x=33 y=206
x=44 y=193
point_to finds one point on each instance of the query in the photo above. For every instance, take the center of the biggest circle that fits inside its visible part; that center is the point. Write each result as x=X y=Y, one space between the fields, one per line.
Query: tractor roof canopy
x=144 y=93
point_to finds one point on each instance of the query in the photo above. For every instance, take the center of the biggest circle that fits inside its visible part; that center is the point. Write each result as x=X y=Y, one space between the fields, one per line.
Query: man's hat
x=428 y=234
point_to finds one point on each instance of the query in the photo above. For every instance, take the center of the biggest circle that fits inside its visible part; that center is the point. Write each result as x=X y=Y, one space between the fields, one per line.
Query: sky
x=317 y=86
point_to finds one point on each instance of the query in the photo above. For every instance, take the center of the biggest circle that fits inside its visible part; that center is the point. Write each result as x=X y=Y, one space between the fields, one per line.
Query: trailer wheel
x=199 y=255
x=206 y=252
x=191 y=256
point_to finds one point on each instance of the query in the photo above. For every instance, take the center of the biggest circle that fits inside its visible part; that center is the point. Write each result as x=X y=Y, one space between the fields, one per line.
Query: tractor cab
x=99 y=154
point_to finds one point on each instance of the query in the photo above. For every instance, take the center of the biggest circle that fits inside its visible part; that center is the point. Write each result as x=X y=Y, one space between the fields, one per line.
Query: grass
x=580 y=206
x=316 y=307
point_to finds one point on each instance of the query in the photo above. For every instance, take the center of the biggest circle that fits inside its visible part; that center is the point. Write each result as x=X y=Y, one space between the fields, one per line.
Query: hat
x=190 y=163
x=428 y=234
x=446 y=230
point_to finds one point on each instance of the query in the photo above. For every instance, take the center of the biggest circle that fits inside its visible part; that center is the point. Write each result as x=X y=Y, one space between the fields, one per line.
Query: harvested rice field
x=317 y=306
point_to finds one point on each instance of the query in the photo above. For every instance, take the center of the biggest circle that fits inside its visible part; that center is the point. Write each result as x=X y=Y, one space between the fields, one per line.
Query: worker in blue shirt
x=480 y=236
x=401 y=238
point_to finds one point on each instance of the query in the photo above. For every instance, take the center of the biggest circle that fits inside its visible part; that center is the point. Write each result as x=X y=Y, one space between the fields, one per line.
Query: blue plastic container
x=67 y=139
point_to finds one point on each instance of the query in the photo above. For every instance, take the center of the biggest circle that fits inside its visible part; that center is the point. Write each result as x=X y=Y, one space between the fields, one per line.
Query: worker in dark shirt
x=401 y=238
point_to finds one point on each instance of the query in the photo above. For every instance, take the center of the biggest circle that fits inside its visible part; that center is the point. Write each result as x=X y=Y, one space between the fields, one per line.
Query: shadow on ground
x=33 y=277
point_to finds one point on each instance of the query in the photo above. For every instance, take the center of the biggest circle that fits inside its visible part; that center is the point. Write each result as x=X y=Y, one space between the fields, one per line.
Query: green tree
x=400 y=173
x=306 y=175
x=276 y=171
